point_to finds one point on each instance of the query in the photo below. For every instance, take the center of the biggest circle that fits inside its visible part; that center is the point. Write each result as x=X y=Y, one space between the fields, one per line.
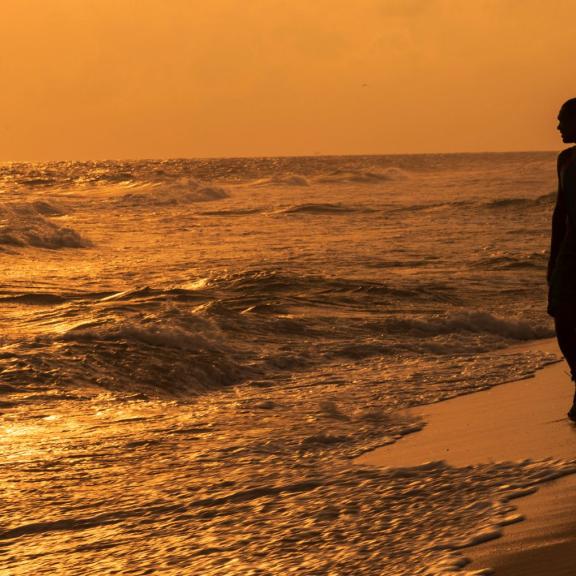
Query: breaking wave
x=155 y=356
x=363 y=176
x=28 y=225
x=181 y=342
x=337 y=176
x=180 y=191
x=469 y=321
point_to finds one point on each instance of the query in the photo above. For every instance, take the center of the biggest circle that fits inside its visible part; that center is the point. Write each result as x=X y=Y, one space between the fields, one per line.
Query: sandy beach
x=515 y=421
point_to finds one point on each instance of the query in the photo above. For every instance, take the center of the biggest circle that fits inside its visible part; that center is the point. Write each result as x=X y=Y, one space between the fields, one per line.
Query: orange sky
x=101 y=79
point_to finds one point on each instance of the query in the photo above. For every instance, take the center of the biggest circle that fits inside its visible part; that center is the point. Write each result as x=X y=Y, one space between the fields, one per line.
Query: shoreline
x=543 y=543
x=513 y=421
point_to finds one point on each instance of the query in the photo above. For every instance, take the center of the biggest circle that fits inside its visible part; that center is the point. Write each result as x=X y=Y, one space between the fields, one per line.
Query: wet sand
x=515 y=421
x=544 y=544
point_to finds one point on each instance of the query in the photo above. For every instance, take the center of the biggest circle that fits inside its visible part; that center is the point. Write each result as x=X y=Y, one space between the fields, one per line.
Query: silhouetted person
x=562 y=264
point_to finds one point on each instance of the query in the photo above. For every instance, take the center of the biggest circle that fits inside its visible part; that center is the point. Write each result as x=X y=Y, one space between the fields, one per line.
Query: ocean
x=193 y=352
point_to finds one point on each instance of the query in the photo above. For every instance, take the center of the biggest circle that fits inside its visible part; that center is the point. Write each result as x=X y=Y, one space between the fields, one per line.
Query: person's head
x=567 y=121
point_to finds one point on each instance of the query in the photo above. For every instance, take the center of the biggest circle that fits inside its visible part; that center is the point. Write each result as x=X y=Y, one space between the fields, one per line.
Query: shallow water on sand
x=194 y=350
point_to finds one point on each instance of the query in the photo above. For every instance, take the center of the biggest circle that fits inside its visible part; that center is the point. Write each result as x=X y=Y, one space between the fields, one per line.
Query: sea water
x=193 y=351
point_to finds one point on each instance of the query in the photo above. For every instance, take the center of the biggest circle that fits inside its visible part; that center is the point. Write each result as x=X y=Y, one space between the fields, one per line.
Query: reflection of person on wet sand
x=562 y=263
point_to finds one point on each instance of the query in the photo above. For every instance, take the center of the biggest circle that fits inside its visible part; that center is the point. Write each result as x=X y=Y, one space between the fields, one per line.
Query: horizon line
x=247 y=157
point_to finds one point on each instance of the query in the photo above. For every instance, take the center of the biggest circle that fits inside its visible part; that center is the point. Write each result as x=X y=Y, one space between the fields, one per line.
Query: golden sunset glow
x=280 y=285
x=181 y=78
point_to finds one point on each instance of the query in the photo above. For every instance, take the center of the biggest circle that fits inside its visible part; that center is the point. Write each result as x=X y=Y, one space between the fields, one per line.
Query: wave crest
x=470 y=321
x=181 y=191
x=27 y=225
x=283 y=180
x=156 y=358
x=363 y=176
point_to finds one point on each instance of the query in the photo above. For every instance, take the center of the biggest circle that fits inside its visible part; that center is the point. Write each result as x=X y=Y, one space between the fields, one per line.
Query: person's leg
x=566 y=336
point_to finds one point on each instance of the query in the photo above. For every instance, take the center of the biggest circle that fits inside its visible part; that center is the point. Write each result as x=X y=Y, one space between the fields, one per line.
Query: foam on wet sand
x=513 y=422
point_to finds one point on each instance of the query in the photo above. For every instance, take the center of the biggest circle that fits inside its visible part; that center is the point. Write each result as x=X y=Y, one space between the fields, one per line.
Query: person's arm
x=558 y=220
